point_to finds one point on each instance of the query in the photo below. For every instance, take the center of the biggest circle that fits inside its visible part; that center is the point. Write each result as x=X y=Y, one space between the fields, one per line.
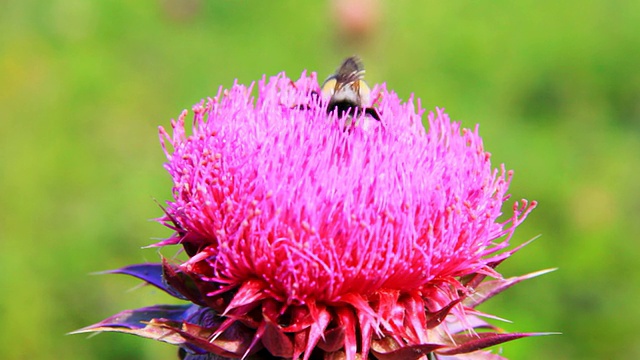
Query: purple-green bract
x=315 y=236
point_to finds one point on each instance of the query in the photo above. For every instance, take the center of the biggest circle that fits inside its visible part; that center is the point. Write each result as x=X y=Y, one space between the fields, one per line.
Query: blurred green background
x=84 y=85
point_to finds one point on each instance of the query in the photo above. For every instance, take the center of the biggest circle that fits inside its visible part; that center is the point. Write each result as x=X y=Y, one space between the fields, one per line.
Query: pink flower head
x=315 y=235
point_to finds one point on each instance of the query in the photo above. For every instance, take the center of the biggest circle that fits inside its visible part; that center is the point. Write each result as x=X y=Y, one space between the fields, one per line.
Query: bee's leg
x=314 y=100
x=372 y=112
x=314 y=94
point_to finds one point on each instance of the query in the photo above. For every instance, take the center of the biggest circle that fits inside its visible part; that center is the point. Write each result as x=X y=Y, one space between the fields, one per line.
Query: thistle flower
x=308 y=238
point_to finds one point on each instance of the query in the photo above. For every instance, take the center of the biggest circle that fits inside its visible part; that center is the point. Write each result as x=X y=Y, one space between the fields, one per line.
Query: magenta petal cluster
x=318 y=237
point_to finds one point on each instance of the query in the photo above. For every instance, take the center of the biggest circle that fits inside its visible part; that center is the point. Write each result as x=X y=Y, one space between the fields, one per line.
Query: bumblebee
x=347 y=91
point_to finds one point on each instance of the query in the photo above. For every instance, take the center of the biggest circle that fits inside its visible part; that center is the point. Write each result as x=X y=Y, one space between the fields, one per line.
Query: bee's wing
x=350 y=71
x=348 y=84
